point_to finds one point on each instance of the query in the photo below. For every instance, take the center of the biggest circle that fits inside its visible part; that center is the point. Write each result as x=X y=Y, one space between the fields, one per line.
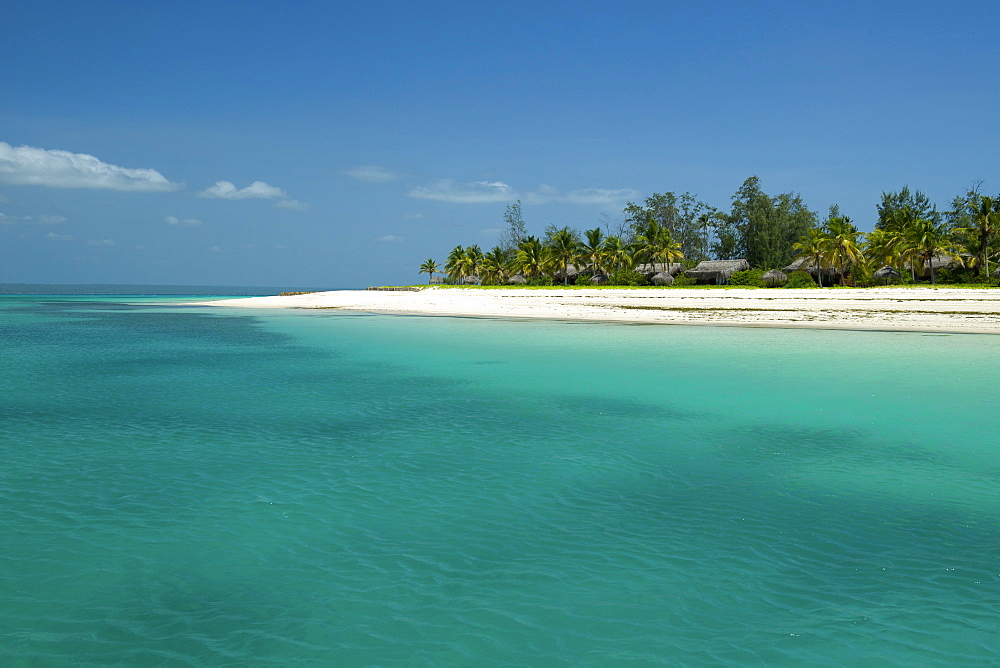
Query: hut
x=651 y=270
x=517 y=279
x=571 y=273
x=662 y=278
x=774 y=279
x=438 y=280
x=472 y=280
x=822 y=276
x=716 y=271
x=888 y=273
x=598 y=279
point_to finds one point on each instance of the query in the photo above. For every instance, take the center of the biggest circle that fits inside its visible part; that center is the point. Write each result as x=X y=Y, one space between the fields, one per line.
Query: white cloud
x=599 y=196
x=256 y=190
x=391 y=238
x=43 y=220
x=30 y=166
x=447 y=190
x=59 y=237
x=186 y=222
x=292 y=204
x=371 y=174
x=101 y=242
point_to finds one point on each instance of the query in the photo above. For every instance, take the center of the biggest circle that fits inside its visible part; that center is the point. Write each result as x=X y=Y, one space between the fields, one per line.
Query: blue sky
x=341 y=144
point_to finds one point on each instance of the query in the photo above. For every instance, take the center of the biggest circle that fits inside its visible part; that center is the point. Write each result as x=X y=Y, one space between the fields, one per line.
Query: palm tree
x=654 y=243
x=531 y=259
x=565 y=249
x=429 y=267
x=457 y=264
x=615 y=253
x=494 y=266
x=474 y=257
x=985 y=223
x=884 y=247
x=928 y=239
x=843 y=249
x=812 y=248
x=593 y=250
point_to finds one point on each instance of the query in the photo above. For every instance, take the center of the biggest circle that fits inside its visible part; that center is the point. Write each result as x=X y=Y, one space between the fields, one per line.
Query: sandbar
x=942 y=309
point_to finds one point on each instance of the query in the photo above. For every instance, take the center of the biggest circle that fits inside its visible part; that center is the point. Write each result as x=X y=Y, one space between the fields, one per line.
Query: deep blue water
x=195 y=486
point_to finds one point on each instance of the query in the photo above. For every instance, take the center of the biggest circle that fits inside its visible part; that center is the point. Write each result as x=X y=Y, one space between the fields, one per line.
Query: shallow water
x=198 y=486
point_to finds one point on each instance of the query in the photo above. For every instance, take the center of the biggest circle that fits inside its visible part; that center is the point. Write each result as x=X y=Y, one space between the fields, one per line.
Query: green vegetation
x=911 y=243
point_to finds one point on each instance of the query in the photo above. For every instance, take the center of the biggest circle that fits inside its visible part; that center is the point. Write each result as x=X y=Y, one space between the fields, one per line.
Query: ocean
x=187 y=485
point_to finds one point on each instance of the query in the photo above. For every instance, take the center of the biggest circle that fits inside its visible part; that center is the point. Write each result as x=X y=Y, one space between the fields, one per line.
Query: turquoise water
x=195 y=486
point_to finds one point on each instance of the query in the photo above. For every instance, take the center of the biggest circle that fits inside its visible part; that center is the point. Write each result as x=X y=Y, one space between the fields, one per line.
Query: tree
x=981 y=217
x=614 y=252
x=495 y=266
x=593 y=250
x=928 y=239
x=474 y=258
x=812 y=248
x=531 y=259
x=429 y=267
x=457 y=264
x=683 y=216
x=904 y=205
x=766 y=227
x=564 y=248
x=515 y=232
x=841 y=240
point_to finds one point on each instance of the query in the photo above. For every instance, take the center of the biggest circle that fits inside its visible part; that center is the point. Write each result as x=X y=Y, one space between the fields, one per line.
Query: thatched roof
x=717 y=270
x=650 y=270
x=472 y=280
x=517 y=279
x=598 y=279
x=774 y=278
x=663 y=278
x=886 y=272
x=807 y=264
x=437 y=280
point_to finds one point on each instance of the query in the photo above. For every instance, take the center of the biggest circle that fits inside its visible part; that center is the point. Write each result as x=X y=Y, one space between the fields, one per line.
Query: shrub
x=542 y=280
x=750 y=278
x=682 y=280
x=582 y=279
x=627 y=277
x=800 y=279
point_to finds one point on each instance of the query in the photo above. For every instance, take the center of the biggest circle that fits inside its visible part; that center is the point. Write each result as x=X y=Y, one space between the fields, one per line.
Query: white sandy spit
x=900 y=309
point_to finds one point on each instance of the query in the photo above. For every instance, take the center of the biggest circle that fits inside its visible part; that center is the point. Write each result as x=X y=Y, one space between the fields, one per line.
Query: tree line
x=911 y=237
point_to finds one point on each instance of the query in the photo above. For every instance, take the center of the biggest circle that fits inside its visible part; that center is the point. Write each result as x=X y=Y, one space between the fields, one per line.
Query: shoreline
x=933 y=310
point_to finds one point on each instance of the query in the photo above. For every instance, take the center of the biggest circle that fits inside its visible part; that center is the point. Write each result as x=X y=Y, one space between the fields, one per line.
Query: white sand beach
x=901 y=309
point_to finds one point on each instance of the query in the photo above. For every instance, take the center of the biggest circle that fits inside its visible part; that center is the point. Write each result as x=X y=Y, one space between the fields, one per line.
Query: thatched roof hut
x=663 y=278
x=438 y=280
x=716 y=271
x=887 y=273
x=651 y=270
x=598 y=279
x=472 y=280
x=774 y=278
x=807 y=264
x=517 y=279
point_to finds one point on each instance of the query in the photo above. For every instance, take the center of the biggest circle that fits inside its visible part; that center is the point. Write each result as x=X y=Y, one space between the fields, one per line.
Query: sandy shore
x=899 y=309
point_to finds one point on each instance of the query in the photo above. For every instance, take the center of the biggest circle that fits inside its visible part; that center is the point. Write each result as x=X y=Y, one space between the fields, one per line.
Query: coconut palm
x=457 y=264
x=615 y=253
x=985 y=223
x=654 y=244
x=593 y=250
x=928 y=239
x=531 y=259
x=494 y=266
x=812 y=249
x=564 y=249
x=843 y=248
x=429 y=267
x=474 y=257
x=884 y=248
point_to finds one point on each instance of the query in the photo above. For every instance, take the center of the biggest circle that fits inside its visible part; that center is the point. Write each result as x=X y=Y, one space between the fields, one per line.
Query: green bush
x=750 y=278
x=800 y=279
x=542 y=280
x=627 y=277
x=682 y=280
x=582 y=279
